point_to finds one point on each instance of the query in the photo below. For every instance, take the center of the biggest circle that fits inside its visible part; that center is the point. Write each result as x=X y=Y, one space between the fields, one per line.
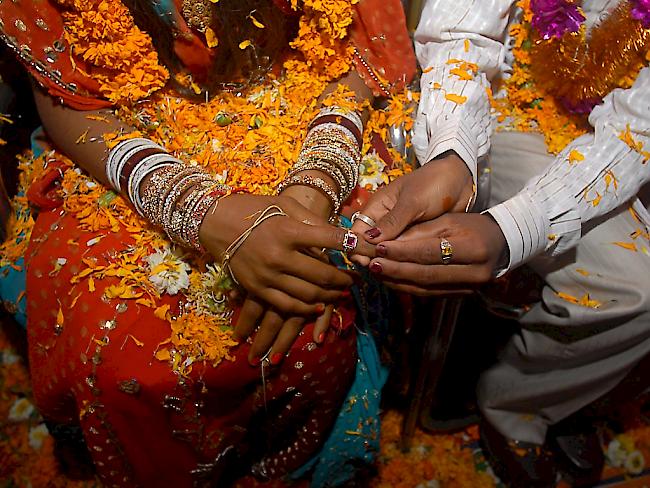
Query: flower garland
x=248 y=140
x=533 y=103
x=122 y=57
x=322 y=36
x=579 y=69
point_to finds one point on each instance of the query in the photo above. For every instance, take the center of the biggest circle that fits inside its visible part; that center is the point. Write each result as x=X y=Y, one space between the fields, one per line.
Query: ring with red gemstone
x=350 y=241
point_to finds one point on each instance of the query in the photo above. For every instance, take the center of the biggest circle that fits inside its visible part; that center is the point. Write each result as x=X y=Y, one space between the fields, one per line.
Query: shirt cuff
x=454 y=135
x=525 y=226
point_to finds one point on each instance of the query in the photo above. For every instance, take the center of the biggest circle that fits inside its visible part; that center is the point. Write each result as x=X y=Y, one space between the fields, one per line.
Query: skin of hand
x=443 y=185
x=412 y=263
x=271 y=264
x=277 y=332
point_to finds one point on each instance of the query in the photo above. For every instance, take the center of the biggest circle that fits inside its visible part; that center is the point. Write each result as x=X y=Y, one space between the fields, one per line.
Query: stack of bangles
x=177 y=196
x=332 y=146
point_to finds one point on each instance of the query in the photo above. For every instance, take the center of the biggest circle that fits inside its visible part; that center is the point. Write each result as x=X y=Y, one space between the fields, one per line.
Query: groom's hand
x=443 y=185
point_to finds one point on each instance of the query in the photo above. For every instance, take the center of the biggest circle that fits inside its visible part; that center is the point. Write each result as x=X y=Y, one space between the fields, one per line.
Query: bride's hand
x=276 y=333
x=271 y=264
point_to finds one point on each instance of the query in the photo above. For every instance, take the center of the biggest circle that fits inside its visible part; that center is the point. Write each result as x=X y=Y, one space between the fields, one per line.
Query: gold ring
x=446 y=251
x=363 y=218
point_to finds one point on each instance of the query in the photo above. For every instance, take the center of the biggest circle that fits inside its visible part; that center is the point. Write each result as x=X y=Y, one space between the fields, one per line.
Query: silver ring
x=446 y=251
x=350 y=241
x=363 y=218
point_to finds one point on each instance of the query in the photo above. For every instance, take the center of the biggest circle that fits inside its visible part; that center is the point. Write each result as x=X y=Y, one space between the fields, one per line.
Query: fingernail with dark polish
x=254 y=361
x=381 y=250
x=321 y=337
x=376 y=268
x=373 y=233
x=276 y=358
x=320 y=308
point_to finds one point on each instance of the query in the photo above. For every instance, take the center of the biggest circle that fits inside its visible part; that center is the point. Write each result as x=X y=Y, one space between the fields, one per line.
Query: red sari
x=91 y=359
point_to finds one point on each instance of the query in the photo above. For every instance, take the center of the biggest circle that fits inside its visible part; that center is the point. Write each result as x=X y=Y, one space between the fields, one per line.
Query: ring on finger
x=446 y=251
x=350 y=241
x=363 y=218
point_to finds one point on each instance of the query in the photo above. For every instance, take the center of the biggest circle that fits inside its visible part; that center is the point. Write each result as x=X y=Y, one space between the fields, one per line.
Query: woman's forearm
x=79 y=134
x=310 y=197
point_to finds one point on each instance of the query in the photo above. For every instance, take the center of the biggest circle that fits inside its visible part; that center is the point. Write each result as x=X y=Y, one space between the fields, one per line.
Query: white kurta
x=566 y=355
x=557 y=203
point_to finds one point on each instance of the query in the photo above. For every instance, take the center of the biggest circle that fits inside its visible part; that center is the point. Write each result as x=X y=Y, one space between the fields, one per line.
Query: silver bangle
x=118 y=156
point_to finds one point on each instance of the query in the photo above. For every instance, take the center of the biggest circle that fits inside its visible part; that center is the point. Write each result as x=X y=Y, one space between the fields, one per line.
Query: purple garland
x=641 y=12
x=554 y=18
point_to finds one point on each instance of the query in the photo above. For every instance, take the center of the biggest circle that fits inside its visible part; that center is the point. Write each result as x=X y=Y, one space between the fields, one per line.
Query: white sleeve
x=452 y=32
x=595 y=174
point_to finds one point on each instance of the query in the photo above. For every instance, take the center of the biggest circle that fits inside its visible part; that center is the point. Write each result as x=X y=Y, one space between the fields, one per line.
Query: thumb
x=393 y=222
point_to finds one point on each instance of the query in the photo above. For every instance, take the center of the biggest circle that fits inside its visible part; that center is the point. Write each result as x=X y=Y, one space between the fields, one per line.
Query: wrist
x=215 y=228
x=451 y=161
x=310 y=197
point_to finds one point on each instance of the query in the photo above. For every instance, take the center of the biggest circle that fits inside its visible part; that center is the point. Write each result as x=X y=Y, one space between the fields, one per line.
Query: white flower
x=421 y=450
x=256 y=96
x=429 y=484
x=8 y=357
x=216 y=145
x=221 y=177
x=635 y=462
x=37 y=435
x=20 y=410
x=616 y=454
x=371 y=171
x=167 y=272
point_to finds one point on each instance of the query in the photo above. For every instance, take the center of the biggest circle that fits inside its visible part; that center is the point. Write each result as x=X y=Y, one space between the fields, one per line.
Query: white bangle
x=120 y=154
x=143 y=169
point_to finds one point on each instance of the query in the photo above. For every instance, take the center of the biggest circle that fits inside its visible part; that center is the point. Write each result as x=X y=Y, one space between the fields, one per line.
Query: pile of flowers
x=248 y=140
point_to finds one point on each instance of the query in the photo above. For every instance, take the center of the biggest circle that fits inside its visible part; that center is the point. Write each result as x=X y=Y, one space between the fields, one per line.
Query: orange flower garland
x=580 y=69
x=250 y=141
x=533 y=93
x=124 y=60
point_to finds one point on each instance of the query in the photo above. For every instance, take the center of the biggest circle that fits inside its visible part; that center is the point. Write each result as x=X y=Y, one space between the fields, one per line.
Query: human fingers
x=429 y=250
x=314 y=271
x=249 y=316
x=332 y=238
x=322 y=324
x=285 y=339
x=306 y=291
x=430 y=275
x=377 y=206
x=287 y=304
x=266 y=334
x=394 y=221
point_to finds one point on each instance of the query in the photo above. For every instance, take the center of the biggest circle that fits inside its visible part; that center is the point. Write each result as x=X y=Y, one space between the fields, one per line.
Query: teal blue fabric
x=12 y=287
x=354 y=440
x=165 y=9
x=13 y=279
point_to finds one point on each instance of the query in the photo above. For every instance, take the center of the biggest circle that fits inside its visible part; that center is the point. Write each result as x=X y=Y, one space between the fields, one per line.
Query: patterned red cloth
x=144 y=424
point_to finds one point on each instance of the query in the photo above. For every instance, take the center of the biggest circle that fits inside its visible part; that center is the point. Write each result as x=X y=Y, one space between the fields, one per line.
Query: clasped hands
x=282 y=267
x=417 y=212
x=288 y=279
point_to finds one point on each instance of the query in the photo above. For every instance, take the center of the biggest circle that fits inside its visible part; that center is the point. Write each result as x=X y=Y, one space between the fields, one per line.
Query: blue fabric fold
x=354 y=439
